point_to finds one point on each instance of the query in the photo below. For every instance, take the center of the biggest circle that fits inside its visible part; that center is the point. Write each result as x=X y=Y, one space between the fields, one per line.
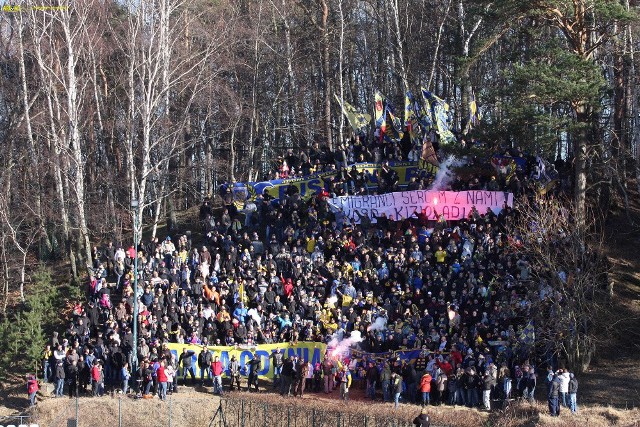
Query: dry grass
x=196 y=408
x=192 y=410
x=528 y=415
x=258 y=410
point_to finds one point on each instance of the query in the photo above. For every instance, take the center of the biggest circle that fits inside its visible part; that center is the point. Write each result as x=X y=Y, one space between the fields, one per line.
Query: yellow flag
x=356 y=120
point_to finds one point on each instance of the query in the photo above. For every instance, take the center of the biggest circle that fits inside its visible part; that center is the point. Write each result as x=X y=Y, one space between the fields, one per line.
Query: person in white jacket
x=564 y=378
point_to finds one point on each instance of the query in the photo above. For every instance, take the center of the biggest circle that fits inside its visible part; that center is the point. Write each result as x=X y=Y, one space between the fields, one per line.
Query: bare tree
x=570 y=272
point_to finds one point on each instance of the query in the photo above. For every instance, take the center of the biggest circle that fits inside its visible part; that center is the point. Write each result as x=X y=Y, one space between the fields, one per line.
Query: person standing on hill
x=204 y=363
x=563 y=378
x=277 y=358
x=573 y=393
x=345 y=383
x=72 y=378
x=396 y=388
x=60 y=377
x=216 y=369
x=554 y=394
x=425 y=388
x=161 y=374
x=255 y=365
x=234 y=372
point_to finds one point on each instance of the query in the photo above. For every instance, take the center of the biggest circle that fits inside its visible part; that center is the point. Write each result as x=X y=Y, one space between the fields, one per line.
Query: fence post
x=313 y=418
x=366 y=421
x=339 y=420
x=77 y=412
x=119 y=412
x=242 y=412
x=265 y=416
x=288 y=416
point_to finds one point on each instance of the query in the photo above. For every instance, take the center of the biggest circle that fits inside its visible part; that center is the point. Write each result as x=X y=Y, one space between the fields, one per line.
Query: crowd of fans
x=294 y=270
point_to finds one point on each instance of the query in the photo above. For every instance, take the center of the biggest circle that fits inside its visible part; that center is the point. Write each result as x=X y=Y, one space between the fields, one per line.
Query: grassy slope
x=195 y=408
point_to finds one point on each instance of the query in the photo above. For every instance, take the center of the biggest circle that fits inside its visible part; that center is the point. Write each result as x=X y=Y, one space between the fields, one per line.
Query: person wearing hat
x=234 y=371
x=422 y=420
x=553 y=397
x=396 y=388
x=573 y=393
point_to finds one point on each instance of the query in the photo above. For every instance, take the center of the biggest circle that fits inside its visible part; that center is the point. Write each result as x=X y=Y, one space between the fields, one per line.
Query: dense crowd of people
x=292 y=270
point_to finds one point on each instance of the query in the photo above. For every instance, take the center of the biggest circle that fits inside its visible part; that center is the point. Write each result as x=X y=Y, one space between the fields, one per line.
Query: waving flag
x=356 y=119
x=440 y=114
x=379 y=109
x=386 y=121
x=410 y=117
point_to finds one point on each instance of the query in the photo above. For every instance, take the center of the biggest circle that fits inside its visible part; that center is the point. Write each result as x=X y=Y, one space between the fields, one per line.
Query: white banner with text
x=454 y=205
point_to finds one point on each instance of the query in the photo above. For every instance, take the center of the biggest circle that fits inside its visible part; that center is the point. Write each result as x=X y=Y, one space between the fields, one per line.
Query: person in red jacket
x=444 y=365
x=425 y=388
x=162 y=380
x=216 y=369
x=32 y=389
x=456 y=357
x=96 y=378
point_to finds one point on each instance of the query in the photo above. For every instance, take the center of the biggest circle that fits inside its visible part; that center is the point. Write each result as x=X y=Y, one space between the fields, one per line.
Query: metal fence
x=243 y=413
x=17 y=421
x=203 y=411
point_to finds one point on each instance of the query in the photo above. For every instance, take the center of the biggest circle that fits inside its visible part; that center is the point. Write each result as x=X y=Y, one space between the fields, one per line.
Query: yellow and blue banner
x=312 y=352
x=312 y=185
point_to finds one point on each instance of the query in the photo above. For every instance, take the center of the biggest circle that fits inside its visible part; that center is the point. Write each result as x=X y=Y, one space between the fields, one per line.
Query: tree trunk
x=326 y=69
x=580 y=164
x=340 y=71
x=437 y=48
x=33 y=148
x=74 y=135
x=399 y=48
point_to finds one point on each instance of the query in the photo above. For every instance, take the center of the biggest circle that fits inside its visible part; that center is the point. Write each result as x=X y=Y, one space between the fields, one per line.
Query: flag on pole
x=428 y=156
x=379 y=109
x=528 y=335
x=410 y=116
x=393 y=129
x=386 y=121
x=356 y=119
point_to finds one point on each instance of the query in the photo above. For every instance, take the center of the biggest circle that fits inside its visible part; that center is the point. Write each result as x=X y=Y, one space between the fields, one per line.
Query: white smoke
x=445 y=174
x=332 y=300
x=342 y=347
x=256 y=317
x=380 y=324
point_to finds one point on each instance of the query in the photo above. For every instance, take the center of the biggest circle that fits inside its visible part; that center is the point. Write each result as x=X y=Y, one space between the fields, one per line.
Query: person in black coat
x=255 y=365
x=288 y=374
x=554 y=392
x=422 y=420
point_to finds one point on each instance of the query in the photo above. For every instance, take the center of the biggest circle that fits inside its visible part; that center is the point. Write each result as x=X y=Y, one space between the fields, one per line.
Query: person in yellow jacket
x=344 y=378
